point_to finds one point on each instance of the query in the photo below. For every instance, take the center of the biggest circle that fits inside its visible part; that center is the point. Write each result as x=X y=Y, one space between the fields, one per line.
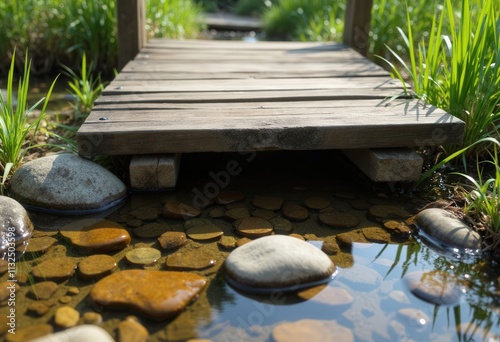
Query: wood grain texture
x=258 y=96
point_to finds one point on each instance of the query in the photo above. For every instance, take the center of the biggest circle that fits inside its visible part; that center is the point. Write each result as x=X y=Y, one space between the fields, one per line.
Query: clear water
x=371 y=273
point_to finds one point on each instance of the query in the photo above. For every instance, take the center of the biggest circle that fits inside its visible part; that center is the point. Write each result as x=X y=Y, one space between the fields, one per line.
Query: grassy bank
x=58 y=32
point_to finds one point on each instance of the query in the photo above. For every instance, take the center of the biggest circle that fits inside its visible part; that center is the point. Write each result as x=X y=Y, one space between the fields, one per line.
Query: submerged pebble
x=58 y=269
x=96 y=235
x=96 y=266
x=177 y=291
x=254 y=227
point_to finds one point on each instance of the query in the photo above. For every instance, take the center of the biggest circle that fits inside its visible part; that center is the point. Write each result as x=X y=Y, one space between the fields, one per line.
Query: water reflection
x=382 y=309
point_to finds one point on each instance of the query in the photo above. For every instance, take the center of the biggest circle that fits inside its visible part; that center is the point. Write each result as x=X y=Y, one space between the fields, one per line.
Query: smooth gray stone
x=446 y=229
x=66 y=182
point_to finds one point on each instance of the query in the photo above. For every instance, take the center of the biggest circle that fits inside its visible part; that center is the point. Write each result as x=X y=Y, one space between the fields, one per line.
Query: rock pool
x=401 y=290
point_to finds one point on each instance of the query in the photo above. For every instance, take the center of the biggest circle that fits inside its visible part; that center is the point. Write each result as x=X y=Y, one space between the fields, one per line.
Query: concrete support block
x=387 y=164
x=154 y=171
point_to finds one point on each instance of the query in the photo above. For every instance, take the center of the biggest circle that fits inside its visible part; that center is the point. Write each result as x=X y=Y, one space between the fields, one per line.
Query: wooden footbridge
x=182 y=96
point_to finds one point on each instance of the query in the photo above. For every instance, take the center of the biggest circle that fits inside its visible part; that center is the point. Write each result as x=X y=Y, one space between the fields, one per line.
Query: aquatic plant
x=458 y=72
x=19 y=123
x=483 y=193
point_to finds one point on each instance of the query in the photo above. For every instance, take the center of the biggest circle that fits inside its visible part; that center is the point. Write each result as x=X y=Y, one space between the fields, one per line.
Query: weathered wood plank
x=228 y=21
x=250 y=96
x=161 y=132
x=357 y=24
x=347 y=71
x=131 y=21
x=250 y=85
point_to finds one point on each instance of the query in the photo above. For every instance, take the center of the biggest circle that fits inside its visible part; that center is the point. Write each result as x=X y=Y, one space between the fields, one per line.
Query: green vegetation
x=19 y=123
x=59 y=32
x=458 y=72
x=307 y=20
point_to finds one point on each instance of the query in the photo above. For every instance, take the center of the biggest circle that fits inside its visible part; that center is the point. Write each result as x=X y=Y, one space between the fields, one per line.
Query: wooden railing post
x=131 y=19
x=357 y=24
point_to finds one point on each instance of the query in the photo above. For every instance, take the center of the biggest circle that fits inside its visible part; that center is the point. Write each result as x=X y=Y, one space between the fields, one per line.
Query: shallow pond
x=368 y=296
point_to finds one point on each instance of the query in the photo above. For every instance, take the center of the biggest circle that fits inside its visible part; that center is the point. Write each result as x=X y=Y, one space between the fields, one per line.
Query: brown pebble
x=5 y=290
x=227 y=242
x=56 y=269
x=96 y=266
x=65 y=299
x=177 y=290
x=327 y=295
x=242 y=241
x=130 y=330
x=317 y=202
x=236 y=205
x=339 y=220
x=40 y=244
x=143 y=256
x=295 y=212
x=263 y=213
x=179 y=210
x=217 y=212
x=195 y=259
x=146 y=213
x=380 y=212
x=91 y=317
x=330 y=247
x=229 y=196
x=66 y=317
x=172 y=240
x=237 y=214
x=348 y=238
x=254 y=227
x=151 y=230
x=134 y=223
x=377 y=234
x=399 y=228
x=268 y=202
x=43 y=290
x=205 y=232
x=360 y=204
x=72 y=290
x=297 y=236
x=96 y=236
x=29 y=333
x=39 y=308
x=281 y=225
x=311 y=330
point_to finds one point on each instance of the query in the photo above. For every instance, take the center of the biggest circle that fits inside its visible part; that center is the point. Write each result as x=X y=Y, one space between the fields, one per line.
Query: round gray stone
x=435 y=287
x=277 y=262
x=15 y=227
x=66 y=182
x=446 y=229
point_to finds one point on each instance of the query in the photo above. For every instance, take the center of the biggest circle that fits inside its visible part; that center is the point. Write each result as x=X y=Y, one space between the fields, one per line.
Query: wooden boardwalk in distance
x=217 y=96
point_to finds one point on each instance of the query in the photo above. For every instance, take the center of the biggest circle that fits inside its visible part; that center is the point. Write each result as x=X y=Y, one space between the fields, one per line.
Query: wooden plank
x=347 y=71
x=154 y=171
x=159 y=131
x=250 y=96
x=250 y=85
x=251 y=107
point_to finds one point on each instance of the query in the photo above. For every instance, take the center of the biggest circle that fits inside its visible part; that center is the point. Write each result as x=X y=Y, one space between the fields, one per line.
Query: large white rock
x=277 y=262
x=444 y=228
x=66 y=182
x=81 y=333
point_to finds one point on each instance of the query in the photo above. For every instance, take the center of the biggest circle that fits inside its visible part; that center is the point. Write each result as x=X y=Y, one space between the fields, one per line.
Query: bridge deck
x=216 y=96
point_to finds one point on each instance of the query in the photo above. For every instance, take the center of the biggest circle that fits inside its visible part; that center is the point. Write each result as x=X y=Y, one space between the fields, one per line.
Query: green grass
x=17 y=129
x=59 y=32
x=307 y=20
x=458 y=71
